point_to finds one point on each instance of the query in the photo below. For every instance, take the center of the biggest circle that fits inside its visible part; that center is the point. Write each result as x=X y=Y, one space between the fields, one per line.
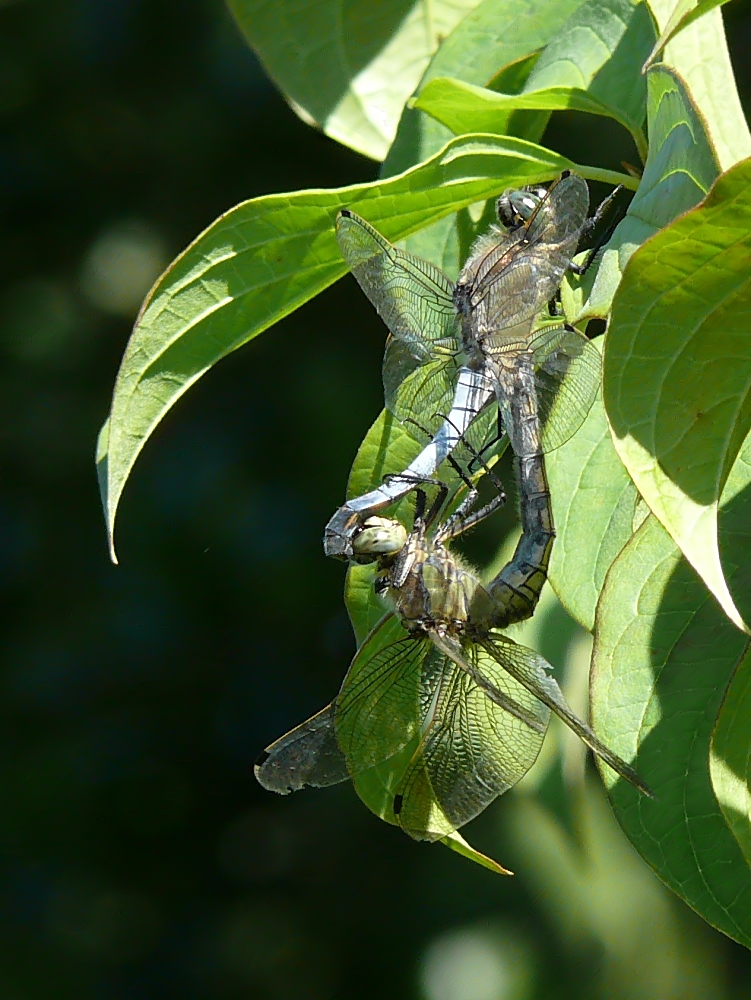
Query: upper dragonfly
x=443 y=713
x=454 y=347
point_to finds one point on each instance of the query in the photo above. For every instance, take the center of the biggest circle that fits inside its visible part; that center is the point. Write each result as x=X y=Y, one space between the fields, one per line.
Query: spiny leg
x=589 y=225
x=463 y=518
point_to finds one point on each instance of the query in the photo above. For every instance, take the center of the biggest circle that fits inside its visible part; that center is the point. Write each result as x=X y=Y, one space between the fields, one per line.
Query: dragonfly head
x=379 y=537
x=517 y=205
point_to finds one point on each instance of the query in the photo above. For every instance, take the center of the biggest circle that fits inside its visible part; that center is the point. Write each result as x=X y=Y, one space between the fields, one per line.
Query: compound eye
x=379 y=536
x=517 y=206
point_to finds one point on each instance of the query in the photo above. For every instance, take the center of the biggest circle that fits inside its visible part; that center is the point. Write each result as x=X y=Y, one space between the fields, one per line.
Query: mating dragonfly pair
x=448 y=712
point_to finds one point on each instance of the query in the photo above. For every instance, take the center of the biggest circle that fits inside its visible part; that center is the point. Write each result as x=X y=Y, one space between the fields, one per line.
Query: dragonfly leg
x=459 y=522
x=589 y=225
x=463 y=517
x=603 y=207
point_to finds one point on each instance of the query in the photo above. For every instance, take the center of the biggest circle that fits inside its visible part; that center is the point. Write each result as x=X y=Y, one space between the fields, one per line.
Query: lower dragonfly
x=477 y=338
x=443 y=710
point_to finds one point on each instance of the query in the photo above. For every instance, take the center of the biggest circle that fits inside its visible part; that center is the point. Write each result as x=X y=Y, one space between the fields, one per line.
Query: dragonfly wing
x=473 y=749
x=506 y=308
x=374 y=716
x=528 y=668
x=307 y=755
x=567 y=377
x=559 y=219
x=379 y=708
x=416 y=391
x=412 y=297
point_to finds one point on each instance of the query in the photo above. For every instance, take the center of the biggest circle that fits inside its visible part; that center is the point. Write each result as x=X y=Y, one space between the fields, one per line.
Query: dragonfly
x=438 y=707
x=455 y=347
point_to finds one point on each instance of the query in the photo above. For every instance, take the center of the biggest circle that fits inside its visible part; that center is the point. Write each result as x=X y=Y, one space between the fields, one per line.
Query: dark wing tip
x=345 y=213
x=261 y=759
x=398 y=802
x=565 y=173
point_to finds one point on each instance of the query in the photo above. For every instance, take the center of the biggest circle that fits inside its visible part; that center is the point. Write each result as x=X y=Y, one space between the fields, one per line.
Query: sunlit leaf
x=497 y=43
x=457 y=843
x=348 y=66
x=581 y=45
x=678 y=371
x=664 y=656
x=600 y=50
x=495 y=35
x=679 y=171
x=593 y=510
x=699 y=54
x=463 y=107
x=730 y=760
x=684 y=14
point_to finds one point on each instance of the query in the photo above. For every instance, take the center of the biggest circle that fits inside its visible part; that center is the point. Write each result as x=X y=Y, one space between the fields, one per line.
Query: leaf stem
x=613 y=177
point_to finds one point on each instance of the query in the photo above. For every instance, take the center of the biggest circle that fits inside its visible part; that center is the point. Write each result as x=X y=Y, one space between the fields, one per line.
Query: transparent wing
x=529 y=669
x=421 y=395
x=307 y=755
x=504 y=308
x=567 y=377
x=412 y=297
x=559 y=219
x=472 y=750
x=379 y=707
x=416 y=391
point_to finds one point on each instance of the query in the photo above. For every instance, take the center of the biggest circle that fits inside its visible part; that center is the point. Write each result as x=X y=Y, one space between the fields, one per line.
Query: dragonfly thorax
x=431 y=589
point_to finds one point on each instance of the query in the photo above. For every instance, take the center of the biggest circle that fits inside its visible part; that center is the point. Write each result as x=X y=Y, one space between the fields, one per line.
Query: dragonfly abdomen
x=517 y=588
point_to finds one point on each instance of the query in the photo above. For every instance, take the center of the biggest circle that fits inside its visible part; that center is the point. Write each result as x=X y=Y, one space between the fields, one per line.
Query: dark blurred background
x=139 y=857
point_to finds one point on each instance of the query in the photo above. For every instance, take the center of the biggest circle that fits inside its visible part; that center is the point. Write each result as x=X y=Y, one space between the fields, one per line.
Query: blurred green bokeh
x=139 y=857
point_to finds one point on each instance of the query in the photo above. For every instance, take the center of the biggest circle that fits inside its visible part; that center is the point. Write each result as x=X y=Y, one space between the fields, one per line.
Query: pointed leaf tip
x=455 y=842
x=102 y=472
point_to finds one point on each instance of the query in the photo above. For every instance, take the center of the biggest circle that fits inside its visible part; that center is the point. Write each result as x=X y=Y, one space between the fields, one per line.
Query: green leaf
x=495 y=35
x=463 y=107
x=730 y=757
x=264 y=258
x=376 y=788
x=385 y=449
x=348 y=67
x=679 y=171
x=734 y=521
x=597 y=42
x=700 y=55
x=600 y=49
x=377 y=785
x=685 y=13
x=664 y=656
x=497 y=42
x=677 y=369
x=593 y=510
x=457 y=843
